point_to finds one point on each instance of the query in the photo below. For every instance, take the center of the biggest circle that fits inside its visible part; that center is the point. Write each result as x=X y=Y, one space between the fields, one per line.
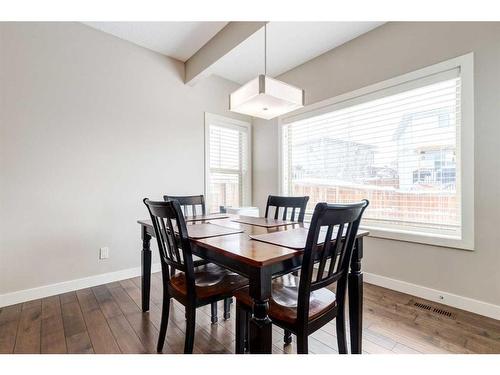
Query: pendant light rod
x=265 y=49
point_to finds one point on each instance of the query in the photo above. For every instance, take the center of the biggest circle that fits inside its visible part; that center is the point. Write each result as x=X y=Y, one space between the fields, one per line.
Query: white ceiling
x=179 y=40
x=289 y=44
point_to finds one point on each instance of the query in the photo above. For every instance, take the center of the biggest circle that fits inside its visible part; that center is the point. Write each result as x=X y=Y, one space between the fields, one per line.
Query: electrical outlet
x=104 y=253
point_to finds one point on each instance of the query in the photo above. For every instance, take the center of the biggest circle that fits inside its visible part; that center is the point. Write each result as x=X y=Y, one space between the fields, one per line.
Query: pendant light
x=265 y=97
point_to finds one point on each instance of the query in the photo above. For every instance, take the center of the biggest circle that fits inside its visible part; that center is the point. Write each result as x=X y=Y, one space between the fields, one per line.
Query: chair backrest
x=188 y=200
x=338 y=224
x=172 y=237
x=295 y=203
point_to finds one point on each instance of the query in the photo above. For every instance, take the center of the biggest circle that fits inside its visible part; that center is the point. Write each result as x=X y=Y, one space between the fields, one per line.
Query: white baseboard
x=71 y=285
x=463 y=303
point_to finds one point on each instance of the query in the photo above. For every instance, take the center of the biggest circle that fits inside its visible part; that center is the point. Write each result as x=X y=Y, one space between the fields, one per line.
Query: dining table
x=259 y=261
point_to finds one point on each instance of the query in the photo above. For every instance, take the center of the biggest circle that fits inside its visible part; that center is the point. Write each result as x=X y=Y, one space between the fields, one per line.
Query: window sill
x=420 y=238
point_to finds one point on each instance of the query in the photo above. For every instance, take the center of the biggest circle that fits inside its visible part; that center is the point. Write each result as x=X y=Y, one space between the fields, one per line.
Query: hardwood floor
x=108 y=319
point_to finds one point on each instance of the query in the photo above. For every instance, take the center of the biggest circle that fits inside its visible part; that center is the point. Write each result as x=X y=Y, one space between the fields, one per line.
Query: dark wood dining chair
x=304 y=304
x=192 y=287
x=294 y=203
x=197 y=204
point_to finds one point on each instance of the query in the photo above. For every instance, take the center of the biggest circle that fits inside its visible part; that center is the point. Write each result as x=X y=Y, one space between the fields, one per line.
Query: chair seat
x=283 y=302
x=211 y=280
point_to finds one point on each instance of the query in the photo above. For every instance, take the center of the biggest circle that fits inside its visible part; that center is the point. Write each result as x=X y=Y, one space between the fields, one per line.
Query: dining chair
x=197 y=205
x=282 y=202
x=192 y=287
x=304 y=304
x=294 y=203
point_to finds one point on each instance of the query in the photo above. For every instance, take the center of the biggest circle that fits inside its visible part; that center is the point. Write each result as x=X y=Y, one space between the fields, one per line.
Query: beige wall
x=388 y=51
x=90 y=124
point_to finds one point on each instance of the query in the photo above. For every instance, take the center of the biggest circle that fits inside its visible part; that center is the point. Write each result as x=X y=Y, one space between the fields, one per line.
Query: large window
x=399 y=144
x=227 y=162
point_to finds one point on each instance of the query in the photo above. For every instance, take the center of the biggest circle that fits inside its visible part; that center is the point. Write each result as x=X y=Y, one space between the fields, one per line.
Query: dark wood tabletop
x=259 y=261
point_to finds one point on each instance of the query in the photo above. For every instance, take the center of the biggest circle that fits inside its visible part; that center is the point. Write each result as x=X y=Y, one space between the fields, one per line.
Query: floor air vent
x=423 y=306
x=444 y=313
x=435 y=310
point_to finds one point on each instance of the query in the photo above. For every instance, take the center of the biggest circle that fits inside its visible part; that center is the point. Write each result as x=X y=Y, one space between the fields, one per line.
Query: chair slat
x=336 y=250
x=324 y=254
x=173 y=241
x=161 y=243
x=167 y=240
x=345 y=246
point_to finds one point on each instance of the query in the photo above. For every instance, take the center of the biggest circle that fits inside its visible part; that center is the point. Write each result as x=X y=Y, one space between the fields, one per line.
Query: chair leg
x=287 y=337
x=213 y=310
x=241 y=329
x=341 y=333
x=164 y=323
x=302 y=343
x=227 y=308
x=190 y=325
x=247 y=331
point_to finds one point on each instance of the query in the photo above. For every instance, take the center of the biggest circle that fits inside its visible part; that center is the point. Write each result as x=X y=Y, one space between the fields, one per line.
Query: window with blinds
x=227 y=147
x=398 y=147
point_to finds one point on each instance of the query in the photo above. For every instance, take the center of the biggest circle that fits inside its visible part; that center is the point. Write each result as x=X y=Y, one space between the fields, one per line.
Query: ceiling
x=289 y=44
x=179 y=40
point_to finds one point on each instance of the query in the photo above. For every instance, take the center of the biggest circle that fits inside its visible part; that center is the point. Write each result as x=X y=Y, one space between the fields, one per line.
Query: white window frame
x=465 y=139
x=231 y=123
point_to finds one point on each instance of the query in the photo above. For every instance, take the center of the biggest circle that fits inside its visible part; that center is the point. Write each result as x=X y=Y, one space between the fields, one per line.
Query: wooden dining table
x=259 y=262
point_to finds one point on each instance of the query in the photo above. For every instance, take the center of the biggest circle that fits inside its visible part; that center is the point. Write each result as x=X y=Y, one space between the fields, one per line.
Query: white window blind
x=227 y=162
x=399 y=147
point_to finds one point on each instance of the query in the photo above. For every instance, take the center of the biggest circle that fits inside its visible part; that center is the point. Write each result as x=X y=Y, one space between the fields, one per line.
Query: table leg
x=355 y=283
x=260 y=327
x=145 y=268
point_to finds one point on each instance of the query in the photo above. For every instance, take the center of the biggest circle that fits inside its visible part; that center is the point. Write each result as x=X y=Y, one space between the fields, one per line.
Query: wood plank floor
x=108 y=319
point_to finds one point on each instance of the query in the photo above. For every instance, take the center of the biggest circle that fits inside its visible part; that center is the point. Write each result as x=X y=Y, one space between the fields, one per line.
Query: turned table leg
x=260 y=327
x=145 y=268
